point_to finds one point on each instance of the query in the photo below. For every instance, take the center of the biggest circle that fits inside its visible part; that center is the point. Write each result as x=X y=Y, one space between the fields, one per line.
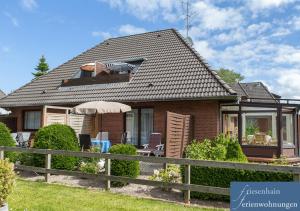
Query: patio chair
x=22 y=138
x=124 y=138
x=85 y=141
x=102 y=136
x=154 y=147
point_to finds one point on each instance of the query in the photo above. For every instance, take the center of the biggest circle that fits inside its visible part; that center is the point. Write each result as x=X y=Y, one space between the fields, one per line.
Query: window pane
x=146 y=125
x=132 y=126
x=230 y=125
x=32 y=120
x=259 y=129
x=287 y=129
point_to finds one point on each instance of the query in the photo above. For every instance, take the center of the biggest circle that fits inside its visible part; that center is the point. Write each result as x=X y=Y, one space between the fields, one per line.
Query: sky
x=258 y=38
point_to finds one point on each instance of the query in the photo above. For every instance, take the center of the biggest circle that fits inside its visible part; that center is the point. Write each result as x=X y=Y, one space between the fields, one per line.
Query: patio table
x=104 y=145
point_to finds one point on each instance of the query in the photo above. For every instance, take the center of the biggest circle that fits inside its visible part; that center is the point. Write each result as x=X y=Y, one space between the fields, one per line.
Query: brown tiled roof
x=252 y=90
x=171 y=70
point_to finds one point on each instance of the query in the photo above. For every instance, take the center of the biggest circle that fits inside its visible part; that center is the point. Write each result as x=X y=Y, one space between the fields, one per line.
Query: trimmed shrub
x=124 y=167
x=59 y=137
x=7 y=140
x=7 y=180
x=219 y=177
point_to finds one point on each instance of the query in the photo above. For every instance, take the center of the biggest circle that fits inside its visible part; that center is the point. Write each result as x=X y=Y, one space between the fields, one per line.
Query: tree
x=42 y=68
x=230 y=76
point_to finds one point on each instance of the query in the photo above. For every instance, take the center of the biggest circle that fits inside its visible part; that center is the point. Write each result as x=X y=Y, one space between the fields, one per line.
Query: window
x=259 y=129
x=139 y=126
x=32 y=120
x=146 y=125
x=287 y=129
x=230 y=125
x=132 y=126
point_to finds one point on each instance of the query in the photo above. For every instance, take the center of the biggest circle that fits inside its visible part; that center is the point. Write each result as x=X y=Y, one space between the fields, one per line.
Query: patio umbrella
x=100 y=107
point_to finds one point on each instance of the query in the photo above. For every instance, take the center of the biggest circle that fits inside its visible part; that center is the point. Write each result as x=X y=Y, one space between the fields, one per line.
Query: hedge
x=7 y=140
x=219 y=177
x=124 y=167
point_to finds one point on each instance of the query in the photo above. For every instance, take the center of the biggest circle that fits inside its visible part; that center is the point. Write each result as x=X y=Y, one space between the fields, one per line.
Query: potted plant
x=7 y=181
x=169 y=175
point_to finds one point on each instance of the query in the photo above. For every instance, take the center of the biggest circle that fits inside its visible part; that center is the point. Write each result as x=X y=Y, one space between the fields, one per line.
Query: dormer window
x=104 y=73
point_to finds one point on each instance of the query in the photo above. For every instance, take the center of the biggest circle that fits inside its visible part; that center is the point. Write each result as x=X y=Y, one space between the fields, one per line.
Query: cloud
x=267 y=4
x=204 y=49
x=29 y=4
x=104 y=35
x=147 y=9
x=288 y=83
x=129 y=29
x=211 y=17
x=12 y=19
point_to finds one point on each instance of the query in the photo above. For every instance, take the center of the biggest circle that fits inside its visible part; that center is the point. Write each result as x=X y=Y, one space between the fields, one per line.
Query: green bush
x=124 y=167
x=219 y=177
x=59 y=137
x=7 y=140
x=7 y=180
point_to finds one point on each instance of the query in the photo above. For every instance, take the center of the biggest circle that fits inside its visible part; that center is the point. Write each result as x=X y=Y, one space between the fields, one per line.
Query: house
x=163 y=79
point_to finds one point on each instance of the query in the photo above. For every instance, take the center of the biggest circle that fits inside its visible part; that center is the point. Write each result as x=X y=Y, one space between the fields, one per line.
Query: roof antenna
x=186 y=6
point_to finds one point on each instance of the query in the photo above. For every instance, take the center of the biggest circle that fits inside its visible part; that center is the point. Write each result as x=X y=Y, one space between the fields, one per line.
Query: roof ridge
x=267 y=90
x=131 y=35
x=243 y=89
x=202 y=60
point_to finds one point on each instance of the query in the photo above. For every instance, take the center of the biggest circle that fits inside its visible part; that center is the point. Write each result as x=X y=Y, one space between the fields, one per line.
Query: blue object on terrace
x=104 y=145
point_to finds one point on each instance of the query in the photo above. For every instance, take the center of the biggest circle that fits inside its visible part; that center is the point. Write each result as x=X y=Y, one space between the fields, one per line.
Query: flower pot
x=4 y=207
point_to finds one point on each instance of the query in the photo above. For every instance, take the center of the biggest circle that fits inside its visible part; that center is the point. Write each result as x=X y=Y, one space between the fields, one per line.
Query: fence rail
x=186 y=187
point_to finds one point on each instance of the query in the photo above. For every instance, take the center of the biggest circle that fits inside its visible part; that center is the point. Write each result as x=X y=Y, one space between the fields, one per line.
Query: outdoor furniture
x=102 y=136
x=85 y=141
x=124 y=138
x=154 y=146
x=104 y=145
x=22 y=138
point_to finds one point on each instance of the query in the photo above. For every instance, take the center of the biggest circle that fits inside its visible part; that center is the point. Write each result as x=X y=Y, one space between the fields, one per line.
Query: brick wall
x=205 y=115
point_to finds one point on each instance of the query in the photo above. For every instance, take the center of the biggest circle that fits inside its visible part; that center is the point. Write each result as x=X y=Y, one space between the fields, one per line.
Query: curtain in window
x=146 y=125
x=132 y=126
x=32 y=120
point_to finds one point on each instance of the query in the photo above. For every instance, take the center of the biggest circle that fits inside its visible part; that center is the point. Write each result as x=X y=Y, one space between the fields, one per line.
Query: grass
x=41 y=196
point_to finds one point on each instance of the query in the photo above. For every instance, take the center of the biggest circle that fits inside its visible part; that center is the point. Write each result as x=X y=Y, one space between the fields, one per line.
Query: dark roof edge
x=230 y=97
x=201 y=59
x=243 y=89
x=266 y=88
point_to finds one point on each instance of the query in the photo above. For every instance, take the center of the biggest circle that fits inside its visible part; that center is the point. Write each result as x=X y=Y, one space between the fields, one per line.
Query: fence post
x=1 y=154
x=107 y=172
x=48 y=166
x=296 y=177
x=187 y=181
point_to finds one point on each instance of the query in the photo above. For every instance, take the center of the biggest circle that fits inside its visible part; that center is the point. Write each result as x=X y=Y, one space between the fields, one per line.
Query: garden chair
x=154 y=147
x=102 y=136
x=22 y=138
x=124 y=138
x=85 y=141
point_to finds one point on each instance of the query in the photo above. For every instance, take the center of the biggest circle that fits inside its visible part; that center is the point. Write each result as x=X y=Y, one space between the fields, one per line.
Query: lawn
x=41 y=196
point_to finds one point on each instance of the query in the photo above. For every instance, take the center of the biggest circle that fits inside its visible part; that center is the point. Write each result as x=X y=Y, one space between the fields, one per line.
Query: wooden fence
x=186 y=186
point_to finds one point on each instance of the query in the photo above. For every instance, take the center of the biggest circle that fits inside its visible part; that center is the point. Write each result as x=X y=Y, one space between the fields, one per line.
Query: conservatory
x=264 y=128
